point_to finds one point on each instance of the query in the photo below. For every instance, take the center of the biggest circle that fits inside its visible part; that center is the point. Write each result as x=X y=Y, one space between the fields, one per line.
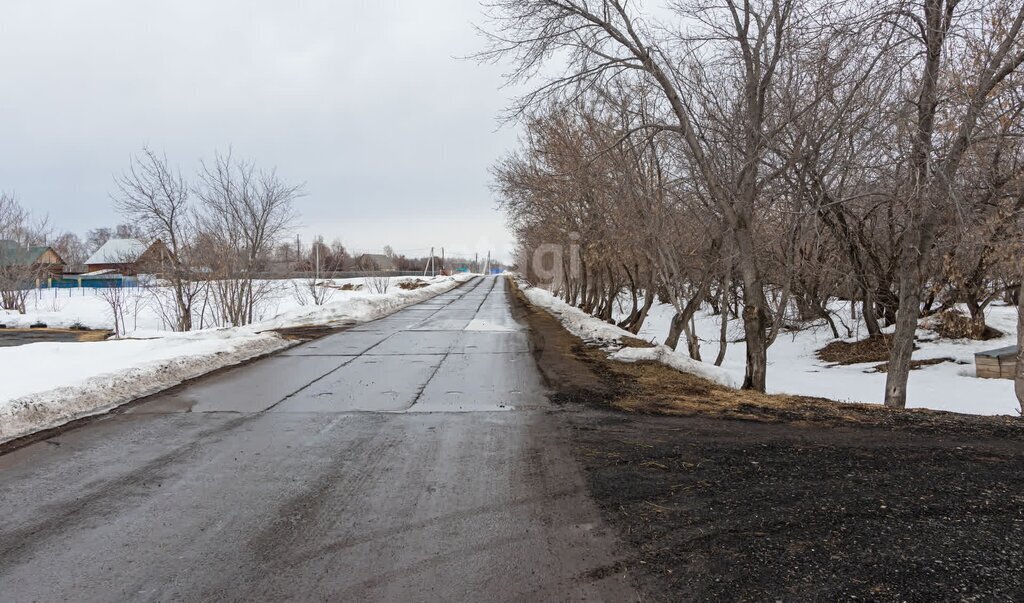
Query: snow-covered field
x=44 y=385
x=794 y=368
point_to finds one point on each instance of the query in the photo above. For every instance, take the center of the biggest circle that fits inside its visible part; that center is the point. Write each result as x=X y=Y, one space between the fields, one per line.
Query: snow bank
x=45 y=385
x=91 y=378
x=608 y=336
x=579 y=323
x=679 y=361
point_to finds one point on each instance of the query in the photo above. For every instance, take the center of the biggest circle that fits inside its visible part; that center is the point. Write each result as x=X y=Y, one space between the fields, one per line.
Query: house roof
x=1008 y=351
x=13 y=253
x=118 y=251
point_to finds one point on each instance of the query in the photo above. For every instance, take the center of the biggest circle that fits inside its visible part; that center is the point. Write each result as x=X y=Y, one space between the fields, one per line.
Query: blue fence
x=113 y=281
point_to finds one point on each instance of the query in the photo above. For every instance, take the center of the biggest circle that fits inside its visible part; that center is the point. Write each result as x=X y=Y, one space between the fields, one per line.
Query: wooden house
x=130 y=257
x=39 y=259
x=374 y=262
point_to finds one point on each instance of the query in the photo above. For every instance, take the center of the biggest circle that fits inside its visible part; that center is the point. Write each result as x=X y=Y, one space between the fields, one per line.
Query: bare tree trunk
x=675 y=330
x=755 y=319
x=692 y=343
x=1019 y=382
x=870 y=319
x=911 y=282
x=723 y=332
x=644 y=311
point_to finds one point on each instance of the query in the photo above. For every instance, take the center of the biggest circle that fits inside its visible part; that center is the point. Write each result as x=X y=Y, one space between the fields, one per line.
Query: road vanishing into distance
x=412 y=458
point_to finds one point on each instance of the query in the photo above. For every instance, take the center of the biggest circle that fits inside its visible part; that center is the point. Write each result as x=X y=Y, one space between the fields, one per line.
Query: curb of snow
x=25 y=415
x=595 y=331
x=37 y=412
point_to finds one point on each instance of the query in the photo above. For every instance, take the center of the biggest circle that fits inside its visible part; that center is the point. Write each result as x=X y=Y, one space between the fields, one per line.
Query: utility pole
x=476 y=261
x=430 y=264
x=442 y=259
x=487 y=269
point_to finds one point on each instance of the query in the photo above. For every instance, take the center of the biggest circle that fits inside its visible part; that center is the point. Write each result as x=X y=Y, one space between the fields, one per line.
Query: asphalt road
x=413 y=458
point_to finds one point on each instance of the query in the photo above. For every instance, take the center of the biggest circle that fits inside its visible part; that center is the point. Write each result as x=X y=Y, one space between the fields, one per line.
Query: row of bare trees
x=767 y=157
x=220 y=228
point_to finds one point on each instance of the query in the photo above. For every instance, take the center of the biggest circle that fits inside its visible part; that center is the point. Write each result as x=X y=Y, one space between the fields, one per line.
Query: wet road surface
x=413 y=458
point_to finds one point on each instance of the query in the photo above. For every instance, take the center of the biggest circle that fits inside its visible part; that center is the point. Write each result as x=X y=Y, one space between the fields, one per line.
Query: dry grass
x=651 y=388
x=347 y=287
x=93 y=335
x=80 y=334
x=655 y=388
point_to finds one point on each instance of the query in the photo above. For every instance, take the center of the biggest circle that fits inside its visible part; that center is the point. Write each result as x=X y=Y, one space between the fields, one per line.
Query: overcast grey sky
x=362 y=100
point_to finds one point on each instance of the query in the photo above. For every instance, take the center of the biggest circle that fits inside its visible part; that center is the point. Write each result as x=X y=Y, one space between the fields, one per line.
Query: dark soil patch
x=565 y=362
x=634 y=342
x=737 y=511
x=309 y=332
x=914 y=364
x=412 y=285
x=872 y=349
x=800 y=499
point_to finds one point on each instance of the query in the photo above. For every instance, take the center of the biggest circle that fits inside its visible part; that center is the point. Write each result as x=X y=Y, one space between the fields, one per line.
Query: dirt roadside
x=742 y=497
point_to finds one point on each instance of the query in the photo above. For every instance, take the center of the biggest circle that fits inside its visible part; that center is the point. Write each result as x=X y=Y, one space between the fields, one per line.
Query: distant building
x=41 y=258
x=375 y=262
x=130 y=257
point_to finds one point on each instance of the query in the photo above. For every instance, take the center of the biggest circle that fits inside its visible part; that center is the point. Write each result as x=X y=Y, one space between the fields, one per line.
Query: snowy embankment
x=609 y=337
x=45 y=385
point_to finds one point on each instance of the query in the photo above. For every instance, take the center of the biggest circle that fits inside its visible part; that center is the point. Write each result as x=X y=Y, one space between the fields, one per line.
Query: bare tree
x=125 y=299
x=377 y=283
x=157 y=200
x=246 y=212
x=123 y=305
x=315 y=288
x=943 y=133
x=70 y=248
x=19 y=266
